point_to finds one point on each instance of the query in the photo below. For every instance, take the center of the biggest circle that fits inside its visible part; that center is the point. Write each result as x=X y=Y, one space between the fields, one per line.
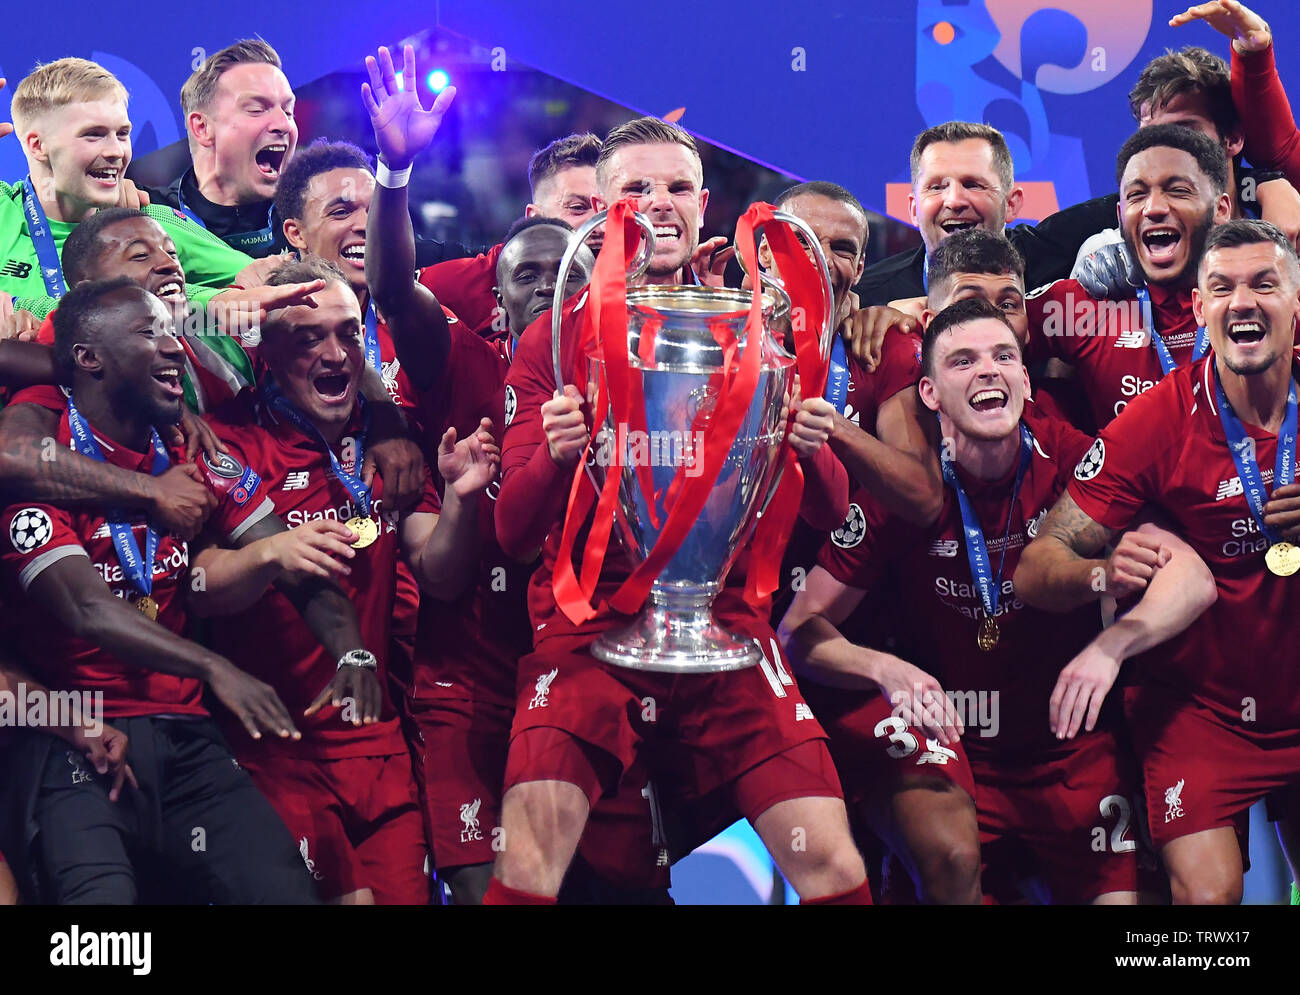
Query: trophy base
x=676 y=635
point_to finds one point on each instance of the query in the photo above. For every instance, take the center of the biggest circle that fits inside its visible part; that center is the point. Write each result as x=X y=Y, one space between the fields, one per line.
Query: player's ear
x=293 y=234
x=929 y=393
x=765 y=255
x=200 y=129
x=1234 y=141
x=911 y=209
x=34 y=146
x=704 y=206
x=1222 y=209
x=927 y=316
x=598 y=203
x=1198 y=307
x=86 y=357
x=532 y=211
x=1015 y=201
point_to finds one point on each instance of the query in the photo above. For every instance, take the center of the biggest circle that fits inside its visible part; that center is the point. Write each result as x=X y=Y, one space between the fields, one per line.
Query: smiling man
x=1215 y=715
x=1173 y=184
x=71 y=119
x=528 y=268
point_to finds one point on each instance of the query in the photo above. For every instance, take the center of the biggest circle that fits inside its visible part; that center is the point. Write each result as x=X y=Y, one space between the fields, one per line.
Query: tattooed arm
x=1059 y=570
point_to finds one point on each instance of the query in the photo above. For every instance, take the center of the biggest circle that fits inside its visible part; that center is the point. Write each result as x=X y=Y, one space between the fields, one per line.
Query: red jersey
x=940 y=604
x=41 y=534
x=1169 y=450
x=465 y=286
x=396 y=382
x=269 y=639
x=469 y=648
x=1106 y=341
x=899 y=368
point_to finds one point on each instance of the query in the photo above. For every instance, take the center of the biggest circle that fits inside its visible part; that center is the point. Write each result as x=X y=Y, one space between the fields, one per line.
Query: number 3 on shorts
x=904 y=743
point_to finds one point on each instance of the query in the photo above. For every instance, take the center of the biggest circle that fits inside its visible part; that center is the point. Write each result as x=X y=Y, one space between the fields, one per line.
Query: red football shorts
x=1201 y=771
x=1072 y=824
x=460 y=750
x=357 y=823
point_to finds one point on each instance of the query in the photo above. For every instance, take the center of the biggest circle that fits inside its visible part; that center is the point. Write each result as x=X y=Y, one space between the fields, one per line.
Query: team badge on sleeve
x=30 y=529
x=511 y=404
x=851 y=532
x=225 y=466
x=1092 y=462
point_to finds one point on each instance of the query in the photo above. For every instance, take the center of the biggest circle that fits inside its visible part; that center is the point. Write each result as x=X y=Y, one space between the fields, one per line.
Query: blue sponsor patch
x=247 y=487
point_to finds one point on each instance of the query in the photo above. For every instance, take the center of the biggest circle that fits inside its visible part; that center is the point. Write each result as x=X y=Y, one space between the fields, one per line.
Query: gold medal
x=366 y=531
x=147 y=607
x=987 y=638
x=1282 y=559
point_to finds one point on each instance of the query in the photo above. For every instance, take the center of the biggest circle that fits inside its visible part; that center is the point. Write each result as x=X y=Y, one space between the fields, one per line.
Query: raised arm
x=403 y=129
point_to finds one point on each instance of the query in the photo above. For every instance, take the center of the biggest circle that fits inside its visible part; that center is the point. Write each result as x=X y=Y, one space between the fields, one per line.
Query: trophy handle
x=639 y=264
x=828 y=326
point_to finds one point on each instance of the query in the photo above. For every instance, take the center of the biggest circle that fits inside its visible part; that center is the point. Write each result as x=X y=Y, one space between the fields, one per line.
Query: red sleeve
x=859 y=553
x=1054 y=327
x=825 y=503
x=1272 y=139
x=1060 y=439
x=242 y=500
x=38 y=535
x=42 y=395
x=465 y=286
x=900 y=364
x=45 y=334
x=1124 y=467
x=527 y=470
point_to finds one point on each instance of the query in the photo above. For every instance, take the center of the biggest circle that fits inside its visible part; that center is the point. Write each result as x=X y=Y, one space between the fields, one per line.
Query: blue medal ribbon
x=837 y=376
x=1167 y=364
x=250 y=242
x=138 y=570
x=357 y=490
x=373 y=358
x=1240 y=445
x=47 y=253
x=990 y=589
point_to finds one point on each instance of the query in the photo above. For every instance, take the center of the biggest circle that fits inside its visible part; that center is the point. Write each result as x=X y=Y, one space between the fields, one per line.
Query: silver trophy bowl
x=689 y=326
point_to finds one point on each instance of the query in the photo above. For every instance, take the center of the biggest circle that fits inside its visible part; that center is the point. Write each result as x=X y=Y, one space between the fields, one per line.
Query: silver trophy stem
x=676 y=634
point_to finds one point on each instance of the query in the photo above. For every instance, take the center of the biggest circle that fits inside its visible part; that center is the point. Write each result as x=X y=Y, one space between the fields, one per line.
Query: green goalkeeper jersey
x=207 y=260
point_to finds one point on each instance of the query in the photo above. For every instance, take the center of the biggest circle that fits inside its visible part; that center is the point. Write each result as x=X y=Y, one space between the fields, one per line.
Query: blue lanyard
x=837 y=376
x=139 y=571
x=246 y=241
x=373 y=359
x=47 y=253
x=1243 y=454
x=925 y=269
x=990 y=590
x=358 y=491
x=1167 y=364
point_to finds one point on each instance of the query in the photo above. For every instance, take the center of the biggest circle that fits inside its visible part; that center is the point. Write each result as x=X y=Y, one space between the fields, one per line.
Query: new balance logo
x=296 y=481
x=802 y=711
x=936 y=753
x=1131 y=338
x=16 y=268
x=944 y=547
x=1229 y=488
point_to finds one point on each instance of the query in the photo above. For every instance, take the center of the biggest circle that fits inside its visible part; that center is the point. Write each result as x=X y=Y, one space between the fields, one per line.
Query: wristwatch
x=358 y=658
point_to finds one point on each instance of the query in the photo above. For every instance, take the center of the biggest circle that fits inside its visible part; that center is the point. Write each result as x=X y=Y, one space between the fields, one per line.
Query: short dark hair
x=973 y=250
x=73 y=320
x=523 y=224
x=1189 y=71
x=952 y=132
x=1209 y=155
x=319 y=157
x=85 y=242
x=960 y=313
x=646 y=131
x=1248 y=231
x=306 y=270
x=199 y=89
x=563 y=153
x=823 y=188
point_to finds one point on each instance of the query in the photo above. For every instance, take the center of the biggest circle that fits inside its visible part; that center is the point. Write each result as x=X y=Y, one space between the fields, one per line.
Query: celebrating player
x=307 y=430
x=1213 y=717
x=71 y=118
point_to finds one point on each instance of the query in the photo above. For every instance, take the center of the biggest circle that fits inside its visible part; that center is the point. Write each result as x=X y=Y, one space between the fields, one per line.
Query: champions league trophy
x=684 y=347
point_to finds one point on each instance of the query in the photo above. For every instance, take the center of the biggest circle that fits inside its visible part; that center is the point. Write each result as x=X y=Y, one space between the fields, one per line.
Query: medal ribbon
x=138 y=570
x=1167 y=364
x=837 y=376
x=357 y=490
x=1240 y=444
x=372 y=340
x=47 y=253
x=250 y=242
x=977 y=552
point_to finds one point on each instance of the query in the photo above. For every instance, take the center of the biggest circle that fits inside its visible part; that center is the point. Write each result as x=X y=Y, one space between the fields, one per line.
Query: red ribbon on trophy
x=604 y=335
